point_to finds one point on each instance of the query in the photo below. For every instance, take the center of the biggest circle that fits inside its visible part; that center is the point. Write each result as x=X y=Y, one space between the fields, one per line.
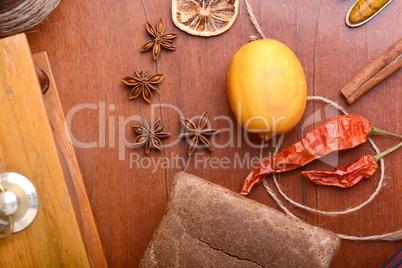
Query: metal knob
x=9 y=203
x=18 y=203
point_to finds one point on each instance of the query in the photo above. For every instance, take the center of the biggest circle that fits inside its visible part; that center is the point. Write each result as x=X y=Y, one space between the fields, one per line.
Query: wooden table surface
x=93 y=44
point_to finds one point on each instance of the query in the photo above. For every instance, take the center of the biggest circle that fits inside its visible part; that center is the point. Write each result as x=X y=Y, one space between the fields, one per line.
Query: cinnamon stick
x=383 y=66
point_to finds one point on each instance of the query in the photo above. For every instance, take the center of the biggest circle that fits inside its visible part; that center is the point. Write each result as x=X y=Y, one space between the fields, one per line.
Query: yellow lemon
x=267 y=88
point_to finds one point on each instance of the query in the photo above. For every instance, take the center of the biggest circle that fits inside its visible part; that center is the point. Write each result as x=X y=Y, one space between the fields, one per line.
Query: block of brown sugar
x=206 y=225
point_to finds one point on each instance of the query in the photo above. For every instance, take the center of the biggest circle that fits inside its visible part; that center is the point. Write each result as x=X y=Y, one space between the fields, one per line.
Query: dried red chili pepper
x=339 y=133
x=362 y=168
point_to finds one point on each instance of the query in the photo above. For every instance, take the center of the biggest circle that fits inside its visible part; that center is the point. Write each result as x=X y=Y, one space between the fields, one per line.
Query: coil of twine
x=393 y=236
x=25 y=15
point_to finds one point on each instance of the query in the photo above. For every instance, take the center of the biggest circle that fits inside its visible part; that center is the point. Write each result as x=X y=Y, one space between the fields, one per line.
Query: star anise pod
x=160 y=39
x=150 y=137
x=143 y=83
x=197 y=133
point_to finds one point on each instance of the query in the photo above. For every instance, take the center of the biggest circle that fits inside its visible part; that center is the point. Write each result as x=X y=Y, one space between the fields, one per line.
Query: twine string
x=393 y=236
x=254 y=20
x=25 y=15
x=385 y=237
x=332 y=213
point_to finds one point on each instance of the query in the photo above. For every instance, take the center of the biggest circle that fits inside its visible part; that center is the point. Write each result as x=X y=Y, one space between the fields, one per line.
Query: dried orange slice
x=204 y=17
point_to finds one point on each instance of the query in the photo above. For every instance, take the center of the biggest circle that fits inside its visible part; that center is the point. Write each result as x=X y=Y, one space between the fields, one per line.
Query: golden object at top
x=364 y=10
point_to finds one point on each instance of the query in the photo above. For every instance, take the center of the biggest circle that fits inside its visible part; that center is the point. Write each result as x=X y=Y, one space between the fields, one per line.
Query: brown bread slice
x=206 y=225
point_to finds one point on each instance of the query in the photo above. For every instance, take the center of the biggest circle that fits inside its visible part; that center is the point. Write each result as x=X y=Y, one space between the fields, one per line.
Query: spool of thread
x=17 y=16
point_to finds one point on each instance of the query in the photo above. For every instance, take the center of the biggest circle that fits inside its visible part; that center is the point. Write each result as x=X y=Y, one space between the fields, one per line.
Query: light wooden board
x=27 y=147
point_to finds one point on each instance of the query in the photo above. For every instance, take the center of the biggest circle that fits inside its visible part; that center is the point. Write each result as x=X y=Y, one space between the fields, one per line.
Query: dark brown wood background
x=93 y=44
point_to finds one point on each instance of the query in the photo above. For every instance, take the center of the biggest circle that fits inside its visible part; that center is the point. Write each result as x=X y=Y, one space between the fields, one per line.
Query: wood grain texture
x=93 y=44
x=27 y=147
x=56 y=118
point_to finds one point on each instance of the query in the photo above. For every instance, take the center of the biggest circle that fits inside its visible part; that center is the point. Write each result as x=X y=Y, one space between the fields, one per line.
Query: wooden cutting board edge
x=57 y=119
